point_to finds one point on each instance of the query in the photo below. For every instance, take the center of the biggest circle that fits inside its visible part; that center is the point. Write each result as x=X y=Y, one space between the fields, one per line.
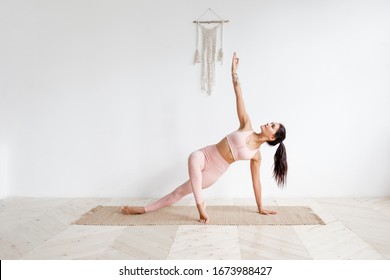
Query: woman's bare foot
x=128 y=210
x=204 y=218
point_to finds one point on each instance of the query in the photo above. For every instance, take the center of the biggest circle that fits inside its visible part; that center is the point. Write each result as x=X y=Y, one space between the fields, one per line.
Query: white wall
x=3 y=172
x=100 y=98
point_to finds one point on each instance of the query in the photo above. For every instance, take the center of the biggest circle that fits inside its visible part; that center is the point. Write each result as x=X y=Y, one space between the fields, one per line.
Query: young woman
x=207 y=165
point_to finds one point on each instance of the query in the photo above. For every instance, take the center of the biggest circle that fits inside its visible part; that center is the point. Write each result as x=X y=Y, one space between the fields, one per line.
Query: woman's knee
x=196 y=160
x=194 y=156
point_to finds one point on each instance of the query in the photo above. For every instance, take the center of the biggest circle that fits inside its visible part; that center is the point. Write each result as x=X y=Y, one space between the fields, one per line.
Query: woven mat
x=188 y=215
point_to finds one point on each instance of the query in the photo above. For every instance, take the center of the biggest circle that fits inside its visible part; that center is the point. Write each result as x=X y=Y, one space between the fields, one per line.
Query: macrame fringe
x=220 y=56
x=197 y=54
x=197 y=57
x=220 y=53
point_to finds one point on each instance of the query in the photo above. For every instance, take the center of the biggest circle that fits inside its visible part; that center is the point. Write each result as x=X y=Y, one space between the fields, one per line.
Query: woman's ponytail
x=280 y=158
x=280 y=165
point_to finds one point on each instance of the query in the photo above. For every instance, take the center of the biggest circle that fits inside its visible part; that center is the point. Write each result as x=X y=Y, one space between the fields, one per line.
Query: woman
x=207 y=165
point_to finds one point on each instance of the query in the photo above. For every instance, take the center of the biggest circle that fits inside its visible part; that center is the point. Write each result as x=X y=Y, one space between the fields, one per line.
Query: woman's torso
x=238 y=145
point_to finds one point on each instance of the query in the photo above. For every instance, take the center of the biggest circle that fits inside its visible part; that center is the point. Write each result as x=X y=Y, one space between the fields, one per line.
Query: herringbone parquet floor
x=40 y=228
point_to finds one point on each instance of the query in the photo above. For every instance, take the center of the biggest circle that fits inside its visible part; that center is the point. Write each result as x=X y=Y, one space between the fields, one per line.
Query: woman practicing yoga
x=207 y=165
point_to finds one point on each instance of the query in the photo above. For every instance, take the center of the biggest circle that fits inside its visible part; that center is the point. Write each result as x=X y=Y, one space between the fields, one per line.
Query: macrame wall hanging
x=206 y=56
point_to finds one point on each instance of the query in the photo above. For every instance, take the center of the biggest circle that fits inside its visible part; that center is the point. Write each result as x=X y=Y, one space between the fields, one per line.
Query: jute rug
x=188 y=215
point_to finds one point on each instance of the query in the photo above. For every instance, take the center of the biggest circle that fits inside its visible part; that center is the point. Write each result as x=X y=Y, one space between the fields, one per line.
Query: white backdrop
x=100 y=98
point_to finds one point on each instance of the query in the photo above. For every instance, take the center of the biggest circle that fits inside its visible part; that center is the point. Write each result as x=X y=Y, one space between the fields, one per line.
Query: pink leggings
x=205 y=167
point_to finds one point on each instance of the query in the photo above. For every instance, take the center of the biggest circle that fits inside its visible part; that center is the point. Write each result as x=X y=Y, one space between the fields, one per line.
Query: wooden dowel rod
x=211 y=21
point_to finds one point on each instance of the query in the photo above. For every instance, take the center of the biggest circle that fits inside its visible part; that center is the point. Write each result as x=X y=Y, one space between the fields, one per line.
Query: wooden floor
x=40 y=228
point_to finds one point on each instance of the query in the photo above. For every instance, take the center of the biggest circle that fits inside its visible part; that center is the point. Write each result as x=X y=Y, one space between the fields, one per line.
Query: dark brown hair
x=280 y=157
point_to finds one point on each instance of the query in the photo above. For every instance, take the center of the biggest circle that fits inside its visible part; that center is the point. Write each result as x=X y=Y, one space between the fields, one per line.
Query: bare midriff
x=224 y=149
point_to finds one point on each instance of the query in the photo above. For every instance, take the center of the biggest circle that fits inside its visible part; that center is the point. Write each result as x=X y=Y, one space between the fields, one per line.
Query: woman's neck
x=261 y=138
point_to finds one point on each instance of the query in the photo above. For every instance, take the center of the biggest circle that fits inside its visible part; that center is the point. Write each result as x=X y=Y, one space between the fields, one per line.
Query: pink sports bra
x=237 y=144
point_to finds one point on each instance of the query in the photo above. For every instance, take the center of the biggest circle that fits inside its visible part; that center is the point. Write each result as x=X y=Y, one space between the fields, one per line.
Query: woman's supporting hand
x=235 y=63
x=263 y=211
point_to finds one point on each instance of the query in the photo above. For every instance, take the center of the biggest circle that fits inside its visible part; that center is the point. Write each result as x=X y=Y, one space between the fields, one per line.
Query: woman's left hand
x=263 y=211
x=235 y=63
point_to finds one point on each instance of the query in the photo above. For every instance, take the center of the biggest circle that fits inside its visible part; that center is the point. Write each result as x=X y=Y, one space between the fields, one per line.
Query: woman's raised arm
x=243 y=116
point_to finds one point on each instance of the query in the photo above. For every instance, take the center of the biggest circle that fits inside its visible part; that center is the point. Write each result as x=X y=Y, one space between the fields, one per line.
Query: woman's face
x=270 y=129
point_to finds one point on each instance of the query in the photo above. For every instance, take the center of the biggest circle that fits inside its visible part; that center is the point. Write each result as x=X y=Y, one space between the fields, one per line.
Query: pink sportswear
x=237 y=143
x=205 y=167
